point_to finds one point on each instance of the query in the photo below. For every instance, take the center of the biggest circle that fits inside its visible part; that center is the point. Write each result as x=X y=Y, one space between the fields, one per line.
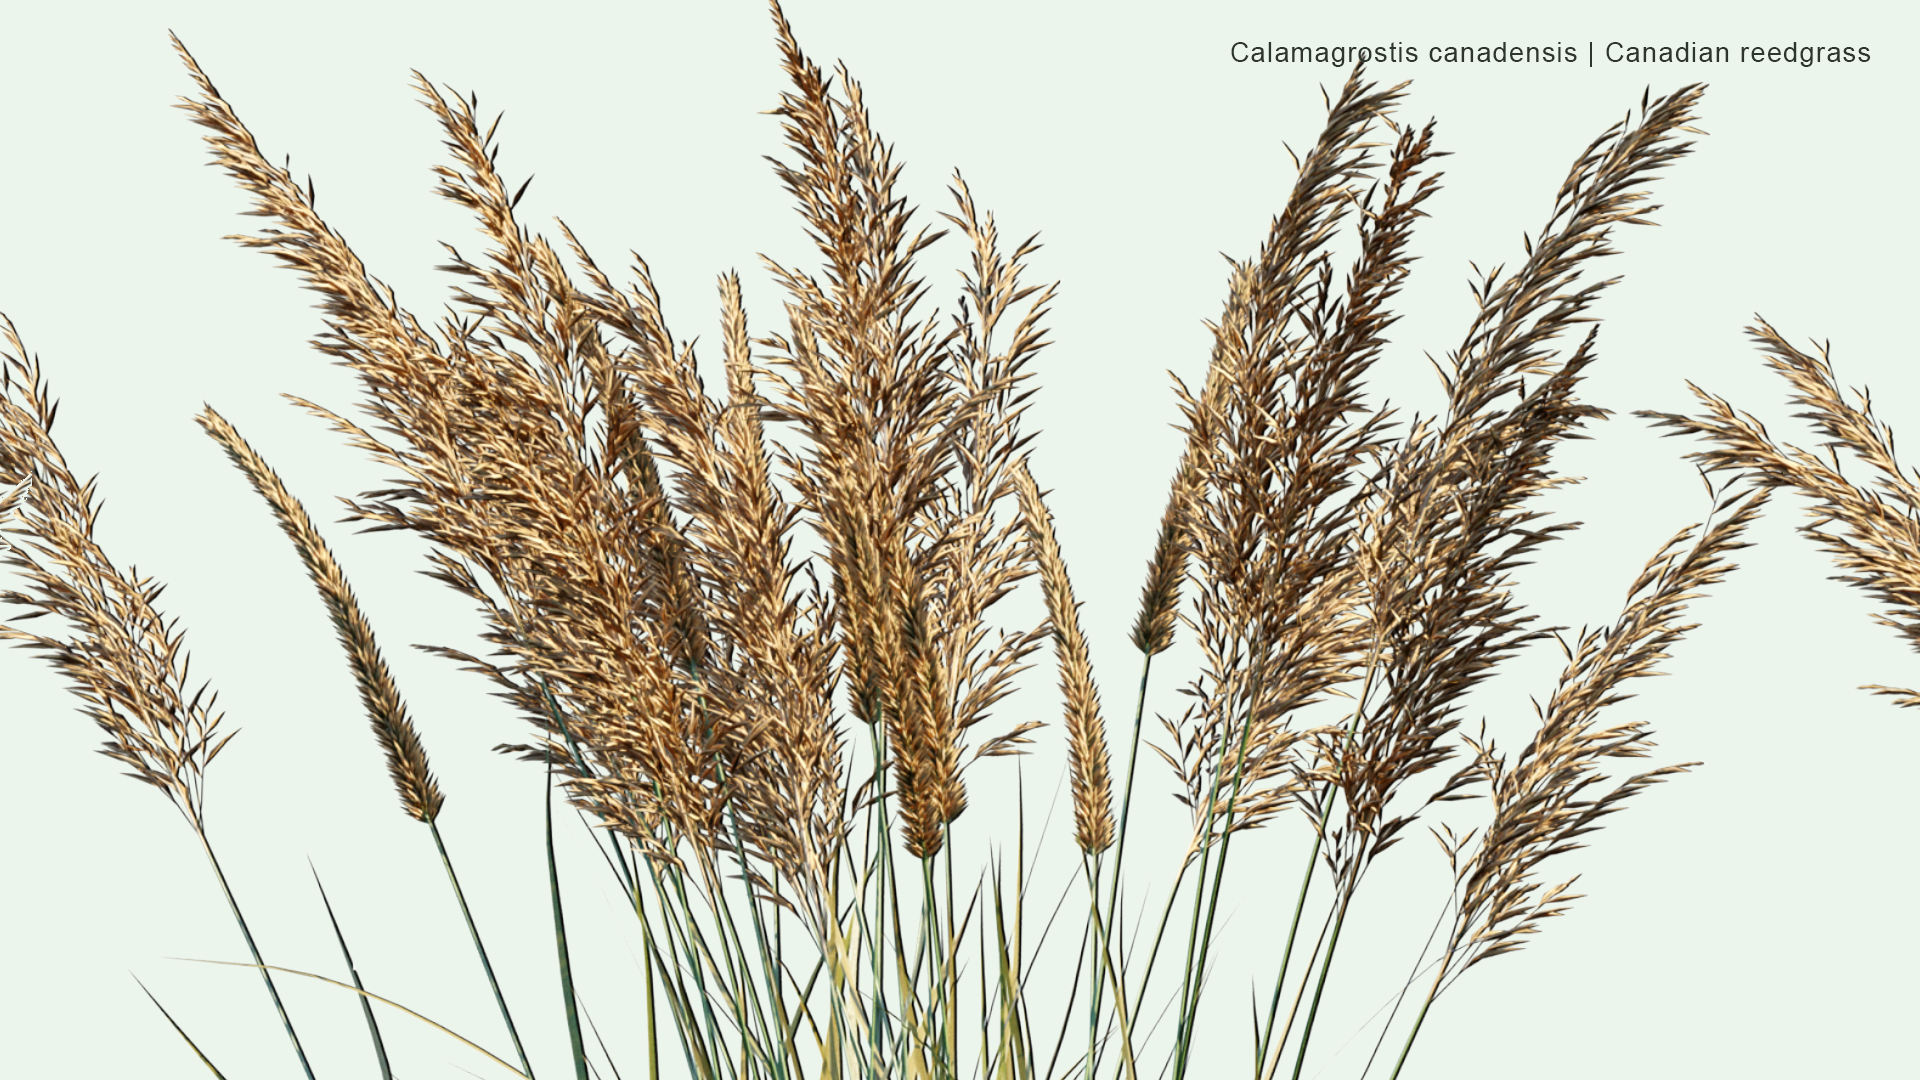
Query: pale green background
x=1753 y=919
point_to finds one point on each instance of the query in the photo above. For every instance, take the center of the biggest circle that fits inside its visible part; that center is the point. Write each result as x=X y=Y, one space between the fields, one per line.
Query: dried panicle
x=1446 y=525
x=867 y=388
x=367 y=324
x=1538 y=811
x=532 y=518
x=1160 y=596
x=629 y=537
x=125 y=659
x=1086 y=731
x=1522 y=313
x=979 y=550
x=1876 y=539
x=636 y=569
x=738 y=541
x=910 y=437
x=379 y=694
x=1274 y=442
x=924 y=741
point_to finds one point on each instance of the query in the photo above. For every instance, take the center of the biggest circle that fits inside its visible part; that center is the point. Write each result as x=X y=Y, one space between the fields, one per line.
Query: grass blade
x=176 y=1026
x=366 y=1008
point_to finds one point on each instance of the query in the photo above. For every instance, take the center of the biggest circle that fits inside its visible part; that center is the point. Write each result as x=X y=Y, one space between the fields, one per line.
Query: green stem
x=1159 y=936
x=952 y=963
x=1114 y=974
x=486 y=964
x=699 y=958
x=574 y=1041
x=746 y=1000
x=1119 y=857
x=1306 y=1033
x=1286 y=957
x=653 y=1029
x=685 y=1023
x=1190 y=1005
x=272 y=990
x=366 y=1005
x=1306 y=881
x=933 y=938
x=1417 y=1021
x=877 y=927
x=1090 y=869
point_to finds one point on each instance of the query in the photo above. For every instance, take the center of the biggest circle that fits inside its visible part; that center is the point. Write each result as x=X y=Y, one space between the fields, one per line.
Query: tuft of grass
x=756 y=631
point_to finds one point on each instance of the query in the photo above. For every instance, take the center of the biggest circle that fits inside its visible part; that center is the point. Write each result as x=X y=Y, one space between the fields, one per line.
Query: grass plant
x=758 y=632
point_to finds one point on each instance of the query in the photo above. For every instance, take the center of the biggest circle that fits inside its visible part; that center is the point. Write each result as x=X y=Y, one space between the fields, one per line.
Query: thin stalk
x=933 y=940
x=1261 y=1046
x=845 y=986
x=1015 y=1054
x=1116 y=975
x=1018 y=1002
x=685 y=1022
x=366 y=1007
x=749 y=1012
x=1313 y=1010
x=911 y=1024
x=653 y=1054
x=697 y=950
x=1120 y=854
x=1300 y=995
x=1306 y=880
x=1400 y=998
x=272 y=990
x=1159 y=936
x=779 y=966
x=486 y=964
x=685 y=941
x=769 y=971
x=1418 y=1020
x=197 y=1052
x=384 y=1001
x=954 y=933
x=626 y=871
x=1191 y=983
x=741 y=983
x=986 y=1060
x=1073 y=993
x=574 y=1041
x=684 y=932
x=653 y=1030
x=877 y=928
x=602 y=1043
x=1090 y=869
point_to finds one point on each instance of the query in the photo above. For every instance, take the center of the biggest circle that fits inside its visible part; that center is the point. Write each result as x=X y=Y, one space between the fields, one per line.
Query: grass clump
x=756 y=631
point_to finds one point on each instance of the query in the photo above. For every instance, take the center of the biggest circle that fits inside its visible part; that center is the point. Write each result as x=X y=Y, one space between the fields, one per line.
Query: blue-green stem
x=1262 y=1045
x=567 y=997
x=1113 y=889
x=197 y=1052
x=1306 y=1033
x=688 y=937
x=1113 y=973
x=1278 y=1048
x=1432 y=992
x=272 y=990
x=747 y=1005
x=486 y=964
x=366 y=1006
x=1194 y=978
